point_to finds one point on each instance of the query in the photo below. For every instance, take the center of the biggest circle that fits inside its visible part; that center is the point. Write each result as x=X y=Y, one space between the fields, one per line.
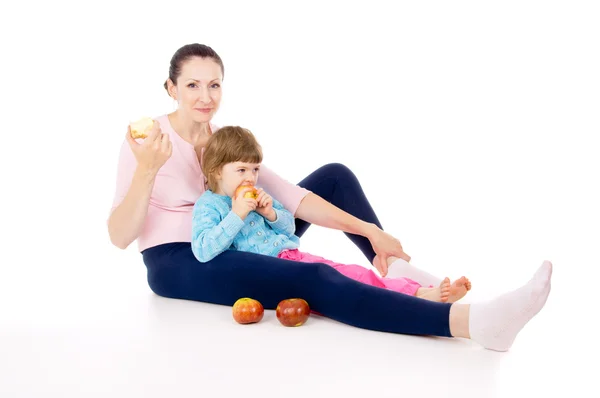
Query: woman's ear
x=172 y=89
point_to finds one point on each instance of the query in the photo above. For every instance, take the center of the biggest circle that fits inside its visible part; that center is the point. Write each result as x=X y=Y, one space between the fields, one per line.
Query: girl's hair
x=185 y=53
x=229 y=144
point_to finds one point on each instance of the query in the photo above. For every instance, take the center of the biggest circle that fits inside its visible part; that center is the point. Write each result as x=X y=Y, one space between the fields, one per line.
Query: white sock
x=402 y=269
x=496 y=323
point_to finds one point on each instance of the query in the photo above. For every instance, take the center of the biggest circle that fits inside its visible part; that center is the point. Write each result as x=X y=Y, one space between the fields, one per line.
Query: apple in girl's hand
x=292 y=312
x=253 y=193
x=247 y=310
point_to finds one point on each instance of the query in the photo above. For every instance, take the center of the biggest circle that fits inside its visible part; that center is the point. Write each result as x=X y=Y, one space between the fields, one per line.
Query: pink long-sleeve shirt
x=179 y=183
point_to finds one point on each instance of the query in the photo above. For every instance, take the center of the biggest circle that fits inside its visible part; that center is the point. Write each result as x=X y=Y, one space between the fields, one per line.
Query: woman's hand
x=385 y=245
x=154 y=151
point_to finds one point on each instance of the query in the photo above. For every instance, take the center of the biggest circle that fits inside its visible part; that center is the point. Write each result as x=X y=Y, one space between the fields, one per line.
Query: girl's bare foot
x=458 y=289
x=439 y=294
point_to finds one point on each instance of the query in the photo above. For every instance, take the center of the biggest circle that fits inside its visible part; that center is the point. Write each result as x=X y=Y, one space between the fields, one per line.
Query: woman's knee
x=327 y=276
x=338 y=170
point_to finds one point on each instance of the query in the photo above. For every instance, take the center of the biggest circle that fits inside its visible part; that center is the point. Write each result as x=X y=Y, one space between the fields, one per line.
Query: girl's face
x=235 y=174
x=198 y=89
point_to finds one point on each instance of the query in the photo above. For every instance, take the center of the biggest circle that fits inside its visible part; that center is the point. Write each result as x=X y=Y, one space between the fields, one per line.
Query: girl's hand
x=243 y=206
x=265 y=205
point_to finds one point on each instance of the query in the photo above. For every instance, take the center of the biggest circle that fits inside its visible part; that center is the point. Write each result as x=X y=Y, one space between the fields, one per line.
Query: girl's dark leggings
x=174 y=272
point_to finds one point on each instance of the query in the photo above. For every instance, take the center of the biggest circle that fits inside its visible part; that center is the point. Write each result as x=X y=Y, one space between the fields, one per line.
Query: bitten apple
x=292 y=312
x=247 y=310
x=141 y=128
x=253 y=193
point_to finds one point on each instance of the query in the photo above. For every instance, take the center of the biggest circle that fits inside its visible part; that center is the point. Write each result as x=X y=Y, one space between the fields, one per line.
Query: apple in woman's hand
x=141 y=128
x=247 y=310
x=253 y=193
x=292 y=312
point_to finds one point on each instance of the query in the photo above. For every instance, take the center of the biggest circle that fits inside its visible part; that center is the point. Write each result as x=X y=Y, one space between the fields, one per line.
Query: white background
x=473 y=127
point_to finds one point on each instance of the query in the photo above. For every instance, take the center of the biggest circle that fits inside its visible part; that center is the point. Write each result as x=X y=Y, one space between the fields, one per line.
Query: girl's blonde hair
x=229 y=144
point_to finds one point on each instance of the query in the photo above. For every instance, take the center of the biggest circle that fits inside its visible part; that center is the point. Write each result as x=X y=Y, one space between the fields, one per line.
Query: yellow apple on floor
x=247 y=310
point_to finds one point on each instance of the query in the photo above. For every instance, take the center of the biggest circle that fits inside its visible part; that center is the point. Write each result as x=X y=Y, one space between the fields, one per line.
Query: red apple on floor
x=253 y=193
x=292 y=312
x=247 y=310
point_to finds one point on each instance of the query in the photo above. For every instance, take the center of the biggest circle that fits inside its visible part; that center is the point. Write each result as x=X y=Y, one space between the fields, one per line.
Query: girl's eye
x=192 y=85
x=216 y=85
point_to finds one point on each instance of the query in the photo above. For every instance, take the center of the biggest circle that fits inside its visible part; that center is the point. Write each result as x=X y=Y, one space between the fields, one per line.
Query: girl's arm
x=212 y=235
x=284 y=223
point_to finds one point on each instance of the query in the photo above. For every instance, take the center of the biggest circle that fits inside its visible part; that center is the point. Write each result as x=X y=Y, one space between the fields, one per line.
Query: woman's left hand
x=385 y=245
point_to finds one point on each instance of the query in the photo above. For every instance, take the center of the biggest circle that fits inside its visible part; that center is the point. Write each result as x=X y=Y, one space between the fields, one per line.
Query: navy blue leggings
x=174 y=272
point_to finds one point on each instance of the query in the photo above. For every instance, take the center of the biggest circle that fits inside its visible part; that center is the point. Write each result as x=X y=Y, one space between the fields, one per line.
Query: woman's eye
x=216 y=85
x=191 y=85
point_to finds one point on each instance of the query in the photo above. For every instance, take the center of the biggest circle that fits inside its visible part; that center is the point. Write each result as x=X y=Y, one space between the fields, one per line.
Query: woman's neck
x=188 y=130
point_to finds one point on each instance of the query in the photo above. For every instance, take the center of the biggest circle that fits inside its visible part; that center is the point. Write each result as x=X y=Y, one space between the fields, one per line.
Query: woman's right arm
x=138 y=167
x=126 y=220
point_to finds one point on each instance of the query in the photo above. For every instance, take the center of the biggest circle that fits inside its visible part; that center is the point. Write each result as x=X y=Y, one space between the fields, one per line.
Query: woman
x=159 y=180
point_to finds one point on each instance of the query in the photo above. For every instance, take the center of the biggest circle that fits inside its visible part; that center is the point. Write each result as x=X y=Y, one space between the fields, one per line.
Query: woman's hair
x=190 y=51
x=229 y=144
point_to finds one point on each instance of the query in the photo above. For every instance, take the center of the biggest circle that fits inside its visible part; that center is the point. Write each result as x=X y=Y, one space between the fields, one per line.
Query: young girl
x=225 y=218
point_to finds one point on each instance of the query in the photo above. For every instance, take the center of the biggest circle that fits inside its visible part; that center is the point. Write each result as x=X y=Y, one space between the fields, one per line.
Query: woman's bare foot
x=458 y=289
x=439 y=294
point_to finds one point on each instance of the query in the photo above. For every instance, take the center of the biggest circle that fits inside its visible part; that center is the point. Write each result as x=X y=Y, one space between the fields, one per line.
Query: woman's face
x=198 y=89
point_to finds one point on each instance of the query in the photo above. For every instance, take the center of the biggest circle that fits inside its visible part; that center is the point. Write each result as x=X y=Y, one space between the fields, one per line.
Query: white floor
x=96 y=330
